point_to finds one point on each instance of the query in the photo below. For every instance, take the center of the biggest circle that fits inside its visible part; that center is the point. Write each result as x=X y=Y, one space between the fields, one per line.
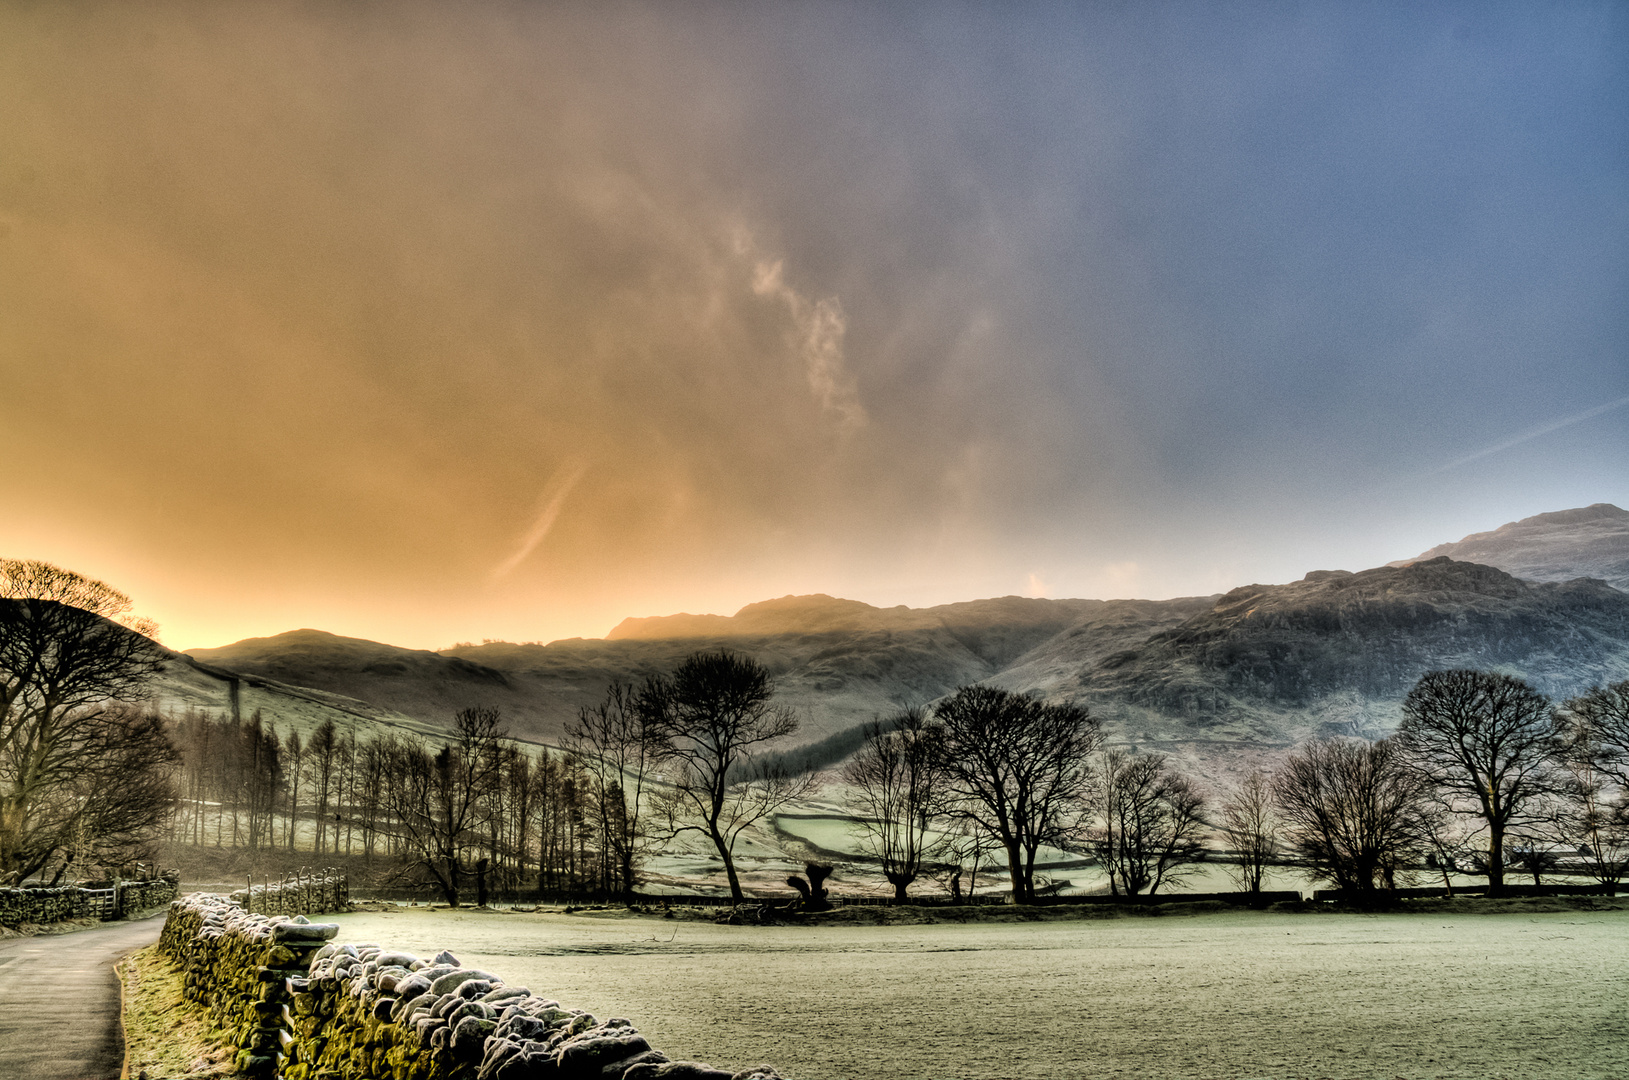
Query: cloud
x=819 y=327
x=900 y=303
x=550 y=502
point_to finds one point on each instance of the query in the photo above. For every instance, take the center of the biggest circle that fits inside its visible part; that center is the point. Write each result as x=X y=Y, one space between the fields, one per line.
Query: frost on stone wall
x=300 y=1006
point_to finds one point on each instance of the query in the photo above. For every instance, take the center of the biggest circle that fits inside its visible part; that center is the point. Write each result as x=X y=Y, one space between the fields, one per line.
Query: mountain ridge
x=1587 y=541
x=1261 y=666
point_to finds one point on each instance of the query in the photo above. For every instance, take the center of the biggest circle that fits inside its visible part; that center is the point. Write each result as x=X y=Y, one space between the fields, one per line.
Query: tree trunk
x=735 y=883
x=1496 y=861
x=1015 y=871
x=729 y=865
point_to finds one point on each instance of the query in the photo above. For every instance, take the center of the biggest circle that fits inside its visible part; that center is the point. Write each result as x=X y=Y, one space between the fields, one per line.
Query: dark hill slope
x=413 y=682
x=1371 y=634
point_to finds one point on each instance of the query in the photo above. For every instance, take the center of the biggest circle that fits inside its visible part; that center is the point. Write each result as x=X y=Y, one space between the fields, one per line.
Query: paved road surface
x=46 y=980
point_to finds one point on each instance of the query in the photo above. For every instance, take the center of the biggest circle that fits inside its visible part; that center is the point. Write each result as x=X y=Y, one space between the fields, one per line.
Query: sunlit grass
x=164 y=1036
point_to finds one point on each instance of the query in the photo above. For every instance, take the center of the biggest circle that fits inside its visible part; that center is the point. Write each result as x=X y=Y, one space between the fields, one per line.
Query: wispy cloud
x=1533 y=433
x=550 y=501
x=820 y=326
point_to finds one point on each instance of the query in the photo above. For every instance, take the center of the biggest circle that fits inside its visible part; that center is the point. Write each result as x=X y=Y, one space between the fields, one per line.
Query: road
x=59 y=1002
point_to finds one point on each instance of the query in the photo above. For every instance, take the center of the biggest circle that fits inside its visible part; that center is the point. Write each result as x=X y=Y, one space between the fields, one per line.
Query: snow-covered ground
x=1245 y=994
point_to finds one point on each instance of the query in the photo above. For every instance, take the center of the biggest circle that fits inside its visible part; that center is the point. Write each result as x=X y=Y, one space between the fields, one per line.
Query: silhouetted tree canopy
x=1247 y=826
x=898 y=778
x=710 y=715
x=442 y=799
x=616 y=746
x=1151 y=823
x=1354 y=811
x=1021 y=769
x=71 y=745
x=1487 y=742
x=1596 y=725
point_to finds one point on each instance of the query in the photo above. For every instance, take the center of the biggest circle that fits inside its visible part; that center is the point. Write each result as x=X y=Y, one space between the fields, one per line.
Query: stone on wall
x=52 y=905
x=301 y=1006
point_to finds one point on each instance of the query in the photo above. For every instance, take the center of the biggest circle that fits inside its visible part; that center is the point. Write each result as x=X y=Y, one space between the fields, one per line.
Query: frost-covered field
x=1215 y=995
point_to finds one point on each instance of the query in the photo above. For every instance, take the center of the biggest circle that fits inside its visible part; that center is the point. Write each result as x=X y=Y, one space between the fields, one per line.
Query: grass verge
x=163 y=1035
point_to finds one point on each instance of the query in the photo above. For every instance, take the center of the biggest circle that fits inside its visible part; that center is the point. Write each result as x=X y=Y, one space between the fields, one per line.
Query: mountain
x=836 y=662
x=1592 y=541
x=1368 y=636
x=841 y=662
x=1219 y=682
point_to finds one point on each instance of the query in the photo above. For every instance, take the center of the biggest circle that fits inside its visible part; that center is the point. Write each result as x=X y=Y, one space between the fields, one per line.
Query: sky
x=430 y=322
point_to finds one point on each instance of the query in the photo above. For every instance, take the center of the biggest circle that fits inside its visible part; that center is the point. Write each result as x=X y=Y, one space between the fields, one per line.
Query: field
x=1243 y=994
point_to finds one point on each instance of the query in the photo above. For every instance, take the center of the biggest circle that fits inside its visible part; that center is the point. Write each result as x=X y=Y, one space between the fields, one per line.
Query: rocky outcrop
x=1591 y=541
x=300 y=1006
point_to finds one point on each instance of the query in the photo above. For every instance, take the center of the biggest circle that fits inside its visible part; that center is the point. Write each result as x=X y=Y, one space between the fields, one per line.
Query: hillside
x=184 y=683
x=1336 y=652
x=1220 y=682
x=1591 y=541
x=836 y=662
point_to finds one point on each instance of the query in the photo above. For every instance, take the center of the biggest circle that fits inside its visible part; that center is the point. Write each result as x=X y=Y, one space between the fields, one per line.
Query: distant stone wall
x=137 y=896
x=300 y=1006
x=305 y=893
x=38 y=906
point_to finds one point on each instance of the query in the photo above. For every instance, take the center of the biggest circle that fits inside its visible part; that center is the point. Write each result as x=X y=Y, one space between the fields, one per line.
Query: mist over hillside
x=838 y=663
x=1217 y=681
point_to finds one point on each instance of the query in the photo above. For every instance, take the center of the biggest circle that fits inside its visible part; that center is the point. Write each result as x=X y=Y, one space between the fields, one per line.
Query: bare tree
x=898 y=780
x=1248 y=827
x=440 y=799
x=1448 y=843
x=120 y=799
x=69 y=656
x=1151 y=825
x=322 y=753
x=617 y=745
x=294 y=754
x=1595 y=823
x=709 y=716
x=1020 y=769
x=1596 y=728
x=1352 y=810
x=1487 y=742
x=962 y=852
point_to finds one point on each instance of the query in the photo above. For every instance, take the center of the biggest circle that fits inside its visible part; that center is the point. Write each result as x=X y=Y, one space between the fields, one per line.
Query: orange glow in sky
x=426 y=323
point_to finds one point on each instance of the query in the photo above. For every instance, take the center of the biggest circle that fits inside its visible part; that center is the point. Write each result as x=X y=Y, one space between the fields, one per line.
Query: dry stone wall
x=18 y=906
x=145 y=895
x=301 y=1006
x=298 y=894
